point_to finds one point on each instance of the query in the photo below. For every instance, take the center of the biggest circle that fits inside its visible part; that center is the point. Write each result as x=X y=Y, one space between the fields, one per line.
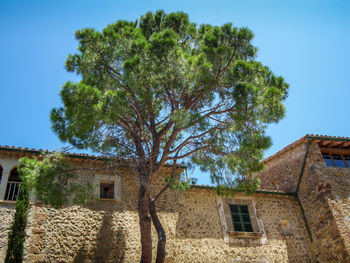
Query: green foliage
x=163 y=88
x=53 y=180
x=181 y=183
x=17 y=233
x=247 y=185
x=54 y=183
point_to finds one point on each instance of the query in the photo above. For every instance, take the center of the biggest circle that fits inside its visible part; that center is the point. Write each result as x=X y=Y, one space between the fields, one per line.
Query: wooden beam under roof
x=337 y=144
x=341 y=145
x=334 y=144
x=318 y=142
x=332 y=150
x=326 y=143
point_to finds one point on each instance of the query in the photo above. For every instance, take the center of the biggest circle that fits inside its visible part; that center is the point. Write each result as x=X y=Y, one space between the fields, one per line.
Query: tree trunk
x=145 y=224
x=161 y=233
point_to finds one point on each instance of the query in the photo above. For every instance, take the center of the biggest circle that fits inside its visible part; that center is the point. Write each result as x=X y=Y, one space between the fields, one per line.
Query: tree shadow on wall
x=110 y=244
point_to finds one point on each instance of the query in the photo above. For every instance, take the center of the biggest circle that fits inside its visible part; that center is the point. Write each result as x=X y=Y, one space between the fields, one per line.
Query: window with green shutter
x=240 y=218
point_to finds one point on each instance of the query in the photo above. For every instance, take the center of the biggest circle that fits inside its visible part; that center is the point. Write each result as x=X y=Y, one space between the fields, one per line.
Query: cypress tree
x=17 y=234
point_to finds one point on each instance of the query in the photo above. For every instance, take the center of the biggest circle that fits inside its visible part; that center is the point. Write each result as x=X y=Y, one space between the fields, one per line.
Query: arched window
x=13 y=185
x=14 y=176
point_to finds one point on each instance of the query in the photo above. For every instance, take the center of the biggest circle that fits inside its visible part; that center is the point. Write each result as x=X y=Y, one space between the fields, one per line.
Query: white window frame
x=98 y=178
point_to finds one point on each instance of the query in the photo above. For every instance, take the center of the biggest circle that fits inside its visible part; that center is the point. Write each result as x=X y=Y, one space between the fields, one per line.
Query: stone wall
x=339 y=202
x=109 y=232
x=201 y=228
x=281 y=173
x=324 y=193
x=76 y=234
x=6 y=216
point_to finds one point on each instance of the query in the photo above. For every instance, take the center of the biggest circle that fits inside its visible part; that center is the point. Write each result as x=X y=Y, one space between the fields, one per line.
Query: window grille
x=13 y=185
x=12 y=191
x=240 y=218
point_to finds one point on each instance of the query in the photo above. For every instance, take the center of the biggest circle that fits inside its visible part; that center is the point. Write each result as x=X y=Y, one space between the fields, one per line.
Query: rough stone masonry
x=198 y=223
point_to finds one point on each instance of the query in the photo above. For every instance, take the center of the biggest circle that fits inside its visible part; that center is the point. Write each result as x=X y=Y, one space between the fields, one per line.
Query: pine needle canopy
x=162 y=88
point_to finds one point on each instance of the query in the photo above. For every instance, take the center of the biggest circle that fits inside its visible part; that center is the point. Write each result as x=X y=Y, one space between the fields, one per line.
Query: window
x=337 y=160
x=0 y=173
x=107 y=190
x=107 y=187
x=328 y=159
x=240 y=218
x=13 y=184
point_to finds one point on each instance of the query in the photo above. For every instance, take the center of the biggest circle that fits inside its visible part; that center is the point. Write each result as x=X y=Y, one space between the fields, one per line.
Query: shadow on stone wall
x=109 y=247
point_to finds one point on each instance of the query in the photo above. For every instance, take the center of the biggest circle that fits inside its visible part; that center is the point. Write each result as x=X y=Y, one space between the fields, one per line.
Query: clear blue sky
x=307 y=42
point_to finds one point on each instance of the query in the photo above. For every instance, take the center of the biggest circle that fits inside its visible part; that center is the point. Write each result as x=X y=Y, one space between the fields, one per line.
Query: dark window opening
x=336 y=160
x=107 y=190
x=240 y=218
x=13 y=185
x=0 y=173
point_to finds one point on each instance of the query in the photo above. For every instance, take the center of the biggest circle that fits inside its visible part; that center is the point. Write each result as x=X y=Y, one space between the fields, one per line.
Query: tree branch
x=187 y=141
x=207 y=147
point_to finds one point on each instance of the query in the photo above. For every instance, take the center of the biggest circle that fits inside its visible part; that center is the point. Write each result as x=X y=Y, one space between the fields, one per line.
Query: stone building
x=300 y=214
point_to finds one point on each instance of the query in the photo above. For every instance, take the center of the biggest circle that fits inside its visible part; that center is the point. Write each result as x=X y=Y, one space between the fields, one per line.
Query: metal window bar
x=12 y=190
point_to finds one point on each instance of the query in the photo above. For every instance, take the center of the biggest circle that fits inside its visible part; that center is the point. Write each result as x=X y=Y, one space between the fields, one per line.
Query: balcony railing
x=12 y=190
